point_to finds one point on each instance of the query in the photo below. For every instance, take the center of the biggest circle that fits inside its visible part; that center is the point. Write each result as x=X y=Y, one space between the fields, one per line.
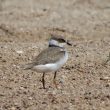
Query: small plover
x=50 y=59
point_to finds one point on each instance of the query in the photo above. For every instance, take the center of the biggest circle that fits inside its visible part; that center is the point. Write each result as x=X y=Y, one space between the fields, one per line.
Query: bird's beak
x=69 y=43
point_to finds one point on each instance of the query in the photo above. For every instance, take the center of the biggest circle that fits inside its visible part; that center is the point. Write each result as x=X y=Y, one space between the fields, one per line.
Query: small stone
x=3 y=60
x=19 y=51
x=77 y=55
x=105 y=78
x=13 y=108
x=22 y=88
x=73 y=78
x=44 y=103
x=30 y=98
x=107 y=85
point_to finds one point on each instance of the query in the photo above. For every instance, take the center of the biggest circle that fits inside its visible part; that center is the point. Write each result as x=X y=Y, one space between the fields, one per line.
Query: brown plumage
x=49 y=55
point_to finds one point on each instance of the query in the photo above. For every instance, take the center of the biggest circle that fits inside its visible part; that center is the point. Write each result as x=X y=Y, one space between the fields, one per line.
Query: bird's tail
x=27 y=66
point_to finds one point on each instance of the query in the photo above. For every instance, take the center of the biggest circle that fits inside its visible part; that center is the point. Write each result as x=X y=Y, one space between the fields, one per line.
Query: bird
x=51 y=59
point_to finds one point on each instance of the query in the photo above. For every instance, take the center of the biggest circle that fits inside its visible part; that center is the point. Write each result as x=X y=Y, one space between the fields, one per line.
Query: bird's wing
x=49 y=55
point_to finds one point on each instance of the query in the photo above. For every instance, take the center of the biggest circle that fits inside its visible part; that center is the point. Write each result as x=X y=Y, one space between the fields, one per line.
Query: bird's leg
x=54 y=80
x=43 y=80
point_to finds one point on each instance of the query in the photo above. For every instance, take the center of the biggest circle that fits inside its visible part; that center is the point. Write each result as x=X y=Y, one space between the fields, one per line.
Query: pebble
x=105 y=78
x=19 y=51
x=13 y=108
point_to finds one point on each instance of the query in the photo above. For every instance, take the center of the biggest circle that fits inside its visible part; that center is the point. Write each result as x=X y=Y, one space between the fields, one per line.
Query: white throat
x=55 y=43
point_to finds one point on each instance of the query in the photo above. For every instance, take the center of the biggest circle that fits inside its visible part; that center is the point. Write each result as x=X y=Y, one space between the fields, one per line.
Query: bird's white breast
x=52 y=66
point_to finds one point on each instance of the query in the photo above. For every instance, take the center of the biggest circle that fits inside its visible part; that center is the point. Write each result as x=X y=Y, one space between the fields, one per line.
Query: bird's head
x=57 y=40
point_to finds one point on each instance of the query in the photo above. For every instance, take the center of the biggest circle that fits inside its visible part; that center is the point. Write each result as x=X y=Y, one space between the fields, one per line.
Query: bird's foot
x=56 y=84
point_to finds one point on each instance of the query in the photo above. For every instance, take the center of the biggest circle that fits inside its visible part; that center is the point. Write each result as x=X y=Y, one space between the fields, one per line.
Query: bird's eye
x=61 y=40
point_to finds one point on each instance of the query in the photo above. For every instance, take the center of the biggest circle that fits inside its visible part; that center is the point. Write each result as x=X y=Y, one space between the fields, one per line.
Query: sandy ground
x=83 y=83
